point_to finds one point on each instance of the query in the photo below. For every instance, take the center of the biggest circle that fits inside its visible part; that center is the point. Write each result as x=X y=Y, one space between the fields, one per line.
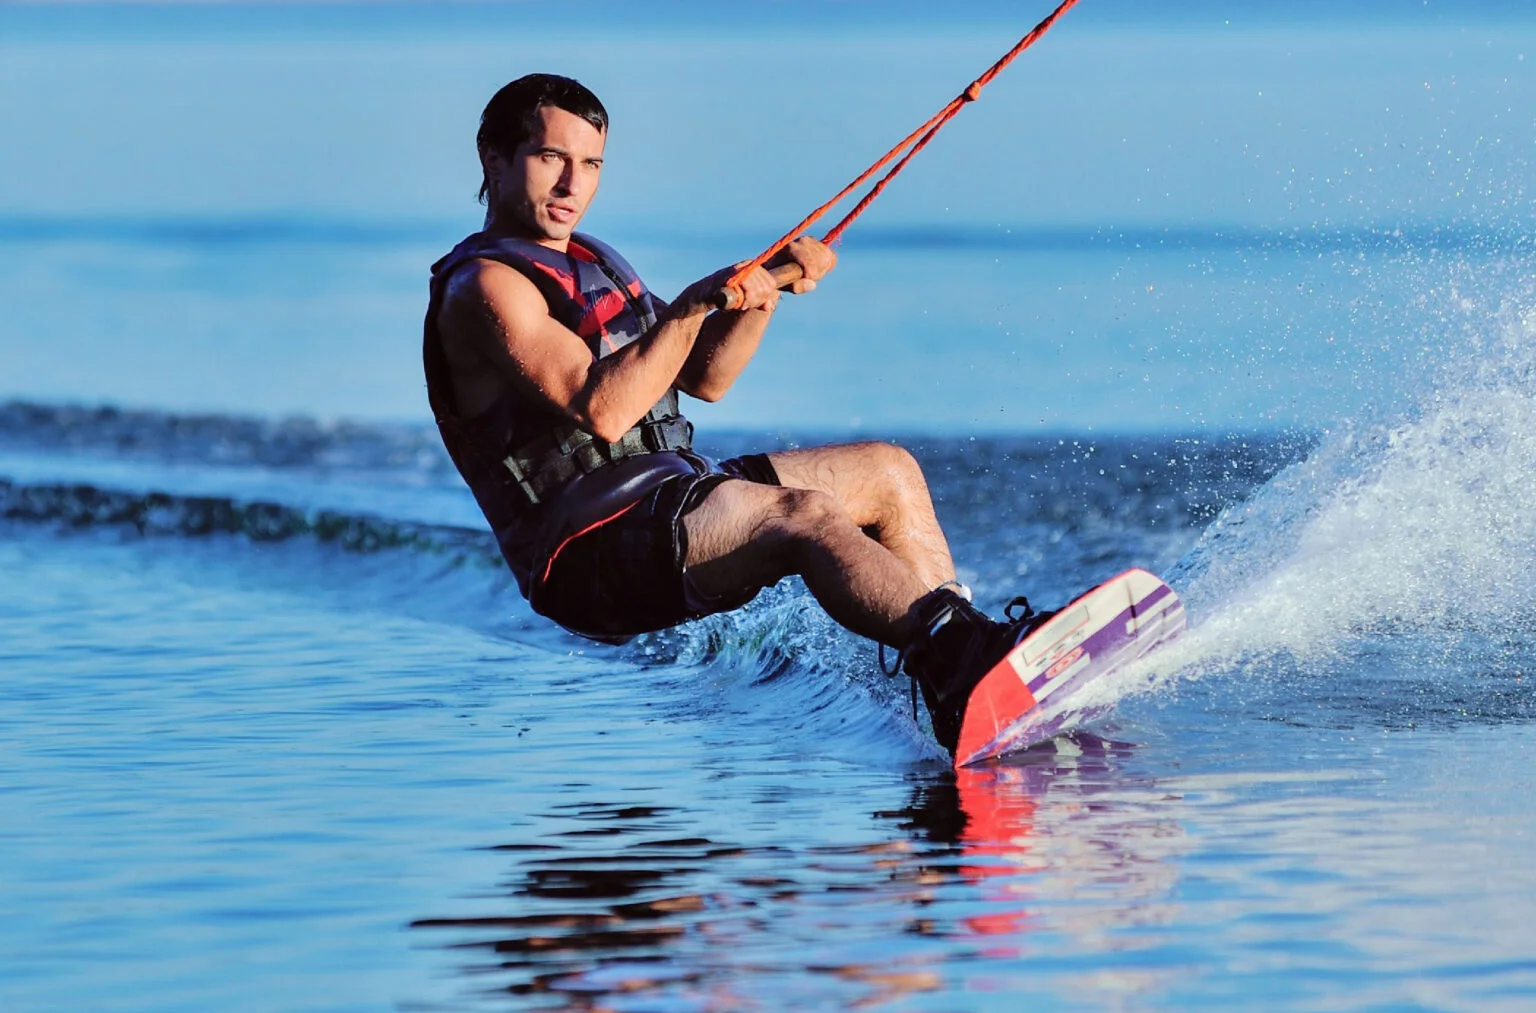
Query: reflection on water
x=611 y=903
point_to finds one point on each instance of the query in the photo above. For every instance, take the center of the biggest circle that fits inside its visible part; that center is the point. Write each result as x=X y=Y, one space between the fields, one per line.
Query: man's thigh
x=736 y=537
x=859 y=476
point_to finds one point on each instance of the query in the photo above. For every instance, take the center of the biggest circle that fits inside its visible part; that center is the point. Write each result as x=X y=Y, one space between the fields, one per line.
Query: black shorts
x=625 y=576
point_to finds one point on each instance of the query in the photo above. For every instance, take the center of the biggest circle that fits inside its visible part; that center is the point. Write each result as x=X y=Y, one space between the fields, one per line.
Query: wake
x=1416 y=530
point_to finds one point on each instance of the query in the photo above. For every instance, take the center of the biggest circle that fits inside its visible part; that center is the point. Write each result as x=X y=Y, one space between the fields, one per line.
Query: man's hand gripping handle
x=785 y=275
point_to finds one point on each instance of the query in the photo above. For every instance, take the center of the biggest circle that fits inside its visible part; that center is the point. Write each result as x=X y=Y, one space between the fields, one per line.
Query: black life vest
x=518 y=457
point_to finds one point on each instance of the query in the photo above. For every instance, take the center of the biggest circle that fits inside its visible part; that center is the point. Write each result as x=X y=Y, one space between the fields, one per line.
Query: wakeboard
x=1028 y=697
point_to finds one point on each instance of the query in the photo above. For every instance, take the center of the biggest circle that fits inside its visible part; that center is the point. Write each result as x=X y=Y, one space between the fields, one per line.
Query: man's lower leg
x=861 y=584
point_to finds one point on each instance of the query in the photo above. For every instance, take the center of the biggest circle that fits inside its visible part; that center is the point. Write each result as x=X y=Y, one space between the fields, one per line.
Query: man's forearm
x=693 y=347
x=730 y=338
x=623 y=386
x=726 y=343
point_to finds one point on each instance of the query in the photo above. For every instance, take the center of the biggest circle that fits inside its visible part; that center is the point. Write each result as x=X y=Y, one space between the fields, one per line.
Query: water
x=276 y=732
x=327 y=751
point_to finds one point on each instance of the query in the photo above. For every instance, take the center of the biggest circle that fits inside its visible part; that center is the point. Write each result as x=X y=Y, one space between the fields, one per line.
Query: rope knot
x=972 y=93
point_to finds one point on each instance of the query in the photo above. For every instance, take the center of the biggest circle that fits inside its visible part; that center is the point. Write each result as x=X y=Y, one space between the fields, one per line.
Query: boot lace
x=921 y=636
x=895 y=670
x=1026 y=611
x=1027 y=620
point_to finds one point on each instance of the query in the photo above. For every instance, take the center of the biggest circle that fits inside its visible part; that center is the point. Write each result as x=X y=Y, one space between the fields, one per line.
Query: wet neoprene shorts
x=626 y=576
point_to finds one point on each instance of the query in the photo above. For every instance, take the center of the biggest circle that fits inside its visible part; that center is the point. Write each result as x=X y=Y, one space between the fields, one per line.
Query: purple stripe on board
x=1146 y=604
x=1101 y=644
x=1106 y=650
x=1107 y=661
x=1104 y=642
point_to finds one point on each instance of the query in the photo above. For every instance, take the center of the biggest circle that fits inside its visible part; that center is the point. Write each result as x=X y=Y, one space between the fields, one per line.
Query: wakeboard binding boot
x=953 y=646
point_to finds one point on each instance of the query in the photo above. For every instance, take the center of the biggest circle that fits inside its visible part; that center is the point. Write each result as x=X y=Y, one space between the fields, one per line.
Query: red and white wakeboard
x=1027 y=697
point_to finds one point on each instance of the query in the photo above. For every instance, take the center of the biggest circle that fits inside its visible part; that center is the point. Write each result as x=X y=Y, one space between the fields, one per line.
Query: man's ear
x=492 y=165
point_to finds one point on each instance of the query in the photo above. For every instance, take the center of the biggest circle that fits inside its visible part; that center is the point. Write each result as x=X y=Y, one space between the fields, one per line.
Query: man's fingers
x=766 y=301
x=814 y=257
x=759 y=291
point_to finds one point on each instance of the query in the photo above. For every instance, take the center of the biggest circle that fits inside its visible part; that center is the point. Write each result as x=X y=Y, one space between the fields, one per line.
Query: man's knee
x=899 y=462
x=896 y=469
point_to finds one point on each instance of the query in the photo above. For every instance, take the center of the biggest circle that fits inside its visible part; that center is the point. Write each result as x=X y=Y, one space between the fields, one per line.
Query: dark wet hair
x=512 y=114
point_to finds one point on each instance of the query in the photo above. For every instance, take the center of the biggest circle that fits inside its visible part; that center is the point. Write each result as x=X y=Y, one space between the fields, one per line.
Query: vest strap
x=543 y=466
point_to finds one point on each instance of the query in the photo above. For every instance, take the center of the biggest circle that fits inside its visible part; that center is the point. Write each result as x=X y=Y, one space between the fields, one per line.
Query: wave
x=1053 y=513
x=1417 y=523
x=218 y=439
x=780 y=662
x=75 y=506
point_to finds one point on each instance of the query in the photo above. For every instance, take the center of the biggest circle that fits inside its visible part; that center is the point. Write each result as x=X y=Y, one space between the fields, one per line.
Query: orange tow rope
x=917 y=140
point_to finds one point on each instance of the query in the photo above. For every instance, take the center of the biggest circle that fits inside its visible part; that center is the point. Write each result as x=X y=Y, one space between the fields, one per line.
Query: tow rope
x=911 y=144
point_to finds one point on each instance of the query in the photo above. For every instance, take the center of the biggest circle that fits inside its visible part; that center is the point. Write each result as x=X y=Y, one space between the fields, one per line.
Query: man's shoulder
x=474 y=252
x=480 y=284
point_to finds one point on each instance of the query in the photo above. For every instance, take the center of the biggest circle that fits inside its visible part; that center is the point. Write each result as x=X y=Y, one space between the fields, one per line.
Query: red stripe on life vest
x=549 y=565
x=567 y=281
x=594 y=322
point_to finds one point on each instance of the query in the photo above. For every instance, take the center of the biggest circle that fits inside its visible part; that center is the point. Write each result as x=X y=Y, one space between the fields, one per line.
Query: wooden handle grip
x=785 y=275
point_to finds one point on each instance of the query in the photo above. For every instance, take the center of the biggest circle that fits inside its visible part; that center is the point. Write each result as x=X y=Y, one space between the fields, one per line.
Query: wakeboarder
x=555 y=377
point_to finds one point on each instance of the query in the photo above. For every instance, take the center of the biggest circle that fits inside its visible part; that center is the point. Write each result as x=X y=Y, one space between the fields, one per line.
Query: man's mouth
x=561 y=213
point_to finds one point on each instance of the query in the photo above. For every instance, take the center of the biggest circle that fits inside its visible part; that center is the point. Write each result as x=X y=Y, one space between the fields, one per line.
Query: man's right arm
x=493 y=315
x=499 y=317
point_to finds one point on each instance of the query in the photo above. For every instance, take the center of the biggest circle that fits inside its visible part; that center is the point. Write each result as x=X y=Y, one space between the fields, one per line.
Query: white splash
x=1424 y=523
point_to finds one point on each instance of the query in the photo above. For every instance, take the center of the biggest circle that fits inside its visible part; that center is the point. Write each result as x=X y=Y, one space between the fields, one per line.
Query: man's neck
x=507 y=225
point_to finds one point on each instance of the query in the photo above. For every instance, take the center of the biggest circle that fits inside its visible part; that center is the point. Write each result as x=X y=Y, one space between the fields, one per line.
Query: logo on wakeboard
x=1066 y=662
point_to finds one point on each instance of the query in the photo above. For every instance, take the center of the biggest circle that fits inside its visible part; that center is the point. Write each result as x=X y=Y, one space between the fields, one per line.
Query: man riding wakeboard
x=554 y=375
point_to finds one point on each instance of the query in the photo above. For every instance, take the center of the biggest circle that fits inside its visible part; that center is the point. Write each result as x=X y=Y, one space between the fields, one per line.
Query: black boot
x=955 y=645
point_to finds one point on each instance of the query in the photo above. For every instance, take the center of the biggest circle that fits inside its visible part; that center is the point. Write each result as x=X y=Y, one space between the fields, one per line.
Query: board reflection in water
x=627 y=901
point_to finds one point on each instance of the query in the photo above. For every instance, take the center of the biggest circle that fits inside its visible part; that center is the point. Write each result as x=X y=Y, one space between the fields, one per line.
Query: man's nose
x=568 y=182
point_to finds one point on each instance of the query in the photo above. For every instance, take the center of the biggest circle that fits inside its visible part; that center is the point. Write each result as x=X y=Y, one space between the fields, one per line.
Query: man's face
x=547 y=183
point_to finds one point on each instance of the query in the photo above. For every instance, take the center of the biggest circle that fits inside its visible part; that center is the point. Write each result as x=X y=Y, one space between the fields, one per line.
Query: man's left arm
x=729 y=338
